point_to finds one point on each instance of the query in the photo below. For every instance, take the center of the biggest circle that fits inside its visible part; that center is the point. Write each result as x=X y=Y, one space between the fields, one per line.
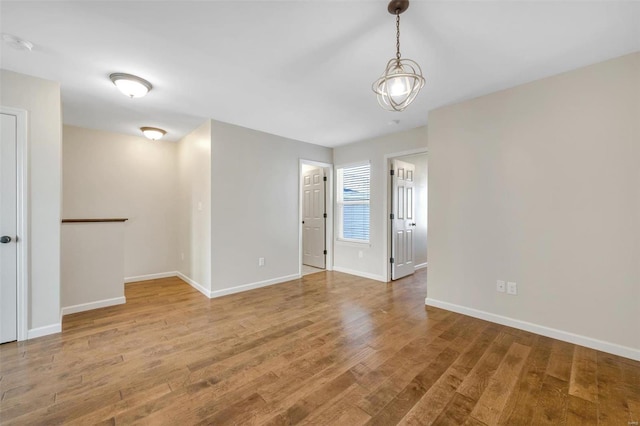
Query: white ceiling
x=299 y=69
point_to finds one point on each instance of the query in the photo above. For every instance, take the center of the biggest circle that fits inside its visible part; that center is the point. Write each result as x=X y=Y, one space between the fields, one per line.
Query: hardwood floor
x=329 y=348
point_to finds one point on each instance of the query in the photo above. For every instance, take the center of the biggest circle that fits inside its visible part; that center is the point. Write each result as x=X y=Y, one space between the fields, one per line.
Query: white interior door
x=8 y=228
x=402 y=219
x=313 y=217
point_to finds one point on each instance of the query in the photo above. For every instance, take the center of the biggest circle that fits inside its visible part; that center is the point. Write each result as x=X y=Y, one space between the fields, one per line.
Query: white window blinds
x=354 y=188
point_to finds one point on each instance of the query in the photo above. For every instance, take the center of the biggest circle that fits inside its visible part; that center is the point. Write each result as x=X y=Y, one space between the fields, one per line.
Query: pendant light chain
x=398 y=35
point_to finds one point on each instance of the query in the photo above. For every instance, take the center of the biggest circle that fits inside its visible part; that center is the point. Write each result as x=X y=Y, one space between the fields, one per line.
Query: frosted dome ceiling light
x=131 y=85
x=153 y=133
x=402 y=78
x=17 y=43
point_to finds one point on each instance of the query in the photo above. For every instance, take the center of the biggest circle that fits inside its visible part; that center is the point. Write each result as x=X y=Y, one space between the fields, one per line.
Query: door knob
x=413 y=224
x=5 y=239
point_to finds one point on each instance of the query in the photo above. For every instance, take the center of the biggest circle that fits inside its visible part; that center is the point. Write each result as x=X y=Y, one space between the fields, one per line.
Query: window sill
x=352 y=243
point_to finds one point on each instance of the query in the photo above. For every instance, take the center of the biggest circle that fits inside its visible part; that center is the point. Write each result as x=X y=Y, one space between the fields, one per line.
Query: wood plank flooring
x=327 y=349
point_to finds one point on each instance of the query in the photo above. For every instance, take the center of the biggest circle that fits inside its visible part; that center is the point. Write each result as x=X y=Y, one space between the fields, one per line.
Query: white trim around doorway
x=22 y=169
x=329 y=210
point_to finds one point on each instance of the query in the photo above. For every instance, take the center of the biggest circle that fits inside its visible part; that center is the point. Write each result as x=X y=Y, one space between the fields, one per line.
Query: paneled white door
x=402 y=219
x=8 y=227
x=313 y=218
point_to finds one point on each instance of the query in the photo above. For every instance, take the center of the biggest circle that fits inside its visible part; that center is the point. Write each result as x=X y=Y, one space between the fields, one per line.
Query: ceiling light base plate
x=398 y=6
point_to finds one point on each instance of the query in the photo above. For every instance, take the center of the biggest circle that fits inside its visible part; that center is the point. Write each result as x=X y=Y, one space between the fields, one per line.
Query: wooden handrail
x=118 y=219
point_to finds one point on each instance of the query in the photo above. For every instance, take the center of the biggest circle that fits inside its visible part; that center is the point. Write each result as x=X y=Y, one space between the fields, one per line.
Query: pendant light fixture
x=402 y=78
x=153 y=133
x=131 y=85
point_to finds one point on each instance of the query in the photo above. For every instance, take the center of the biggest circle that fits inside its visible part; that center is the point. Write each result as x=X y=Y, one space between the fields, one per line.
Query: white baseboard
x=193 y=284
x=252 y=286
x=421 y=266
x=360 y=274
x=93 y=305
x=566 y=336
x=44 y=331
x=237 y=289
x=150 y=276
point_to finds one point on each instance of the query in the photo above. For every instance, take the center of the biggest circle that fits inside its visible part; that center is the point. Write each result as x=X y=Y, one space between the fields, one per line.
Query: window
x=354 y=183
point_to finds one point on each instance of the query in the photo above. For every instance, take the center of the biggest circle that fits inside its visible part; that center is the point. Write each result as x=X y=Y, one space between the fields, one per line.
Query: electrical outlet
x=261 y=261
x=360 y=254
x=512 y=288
x=500 y=286
x=181 y=256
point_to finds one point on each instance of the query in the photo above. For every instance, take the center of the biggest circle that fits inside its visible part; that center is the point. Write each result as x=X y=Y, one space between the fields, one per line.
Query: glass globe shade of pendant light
x=399 y=85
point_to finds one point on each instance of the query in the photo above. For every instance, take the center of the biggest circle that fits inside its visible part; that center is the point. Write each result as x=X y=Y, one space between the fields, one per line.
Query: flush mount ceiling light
x=153 y=133
x=402 y=78
x=130 y=85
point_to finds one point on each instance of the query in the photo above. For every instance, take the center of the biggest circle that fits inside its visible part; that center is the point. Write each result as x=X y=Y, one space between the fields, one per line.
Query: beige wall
x=41 y=99
x=92 y=266
x=114 y=175
x=540 y=185
x=255 y=206
x=194 y=207
x=374 y=261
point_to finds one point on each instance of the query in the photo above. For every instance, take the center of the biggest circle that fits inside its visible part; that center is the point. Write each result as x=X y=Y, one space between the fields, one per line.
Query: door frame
x=388 y=207
x=22 y=207
x=328 y=231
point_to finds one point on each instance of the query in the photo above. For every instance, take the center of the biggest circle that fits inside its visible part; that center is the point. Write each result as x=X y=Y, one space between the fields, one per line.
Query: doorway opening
x=316 y=219
x=407 y=205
